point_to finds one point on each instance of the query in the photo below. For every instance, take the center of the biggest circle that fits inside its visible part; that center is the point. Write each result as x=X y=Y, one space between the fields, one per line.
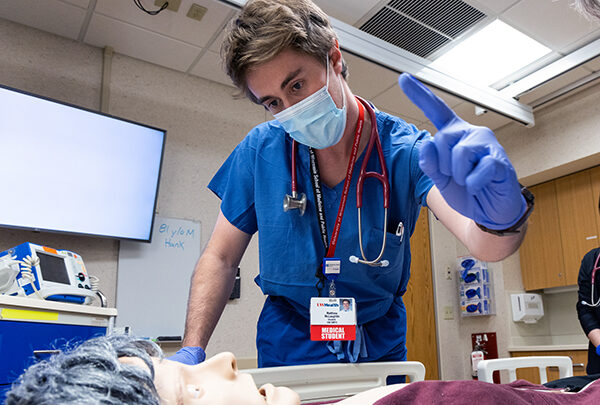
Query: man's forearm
x=210 y=288
x=489 y=247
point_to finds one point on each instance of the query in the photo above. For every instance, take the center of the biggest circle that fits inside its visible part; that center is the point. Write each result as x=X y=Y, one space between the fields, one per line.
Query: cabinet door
x=541 y=252
x=577 y=219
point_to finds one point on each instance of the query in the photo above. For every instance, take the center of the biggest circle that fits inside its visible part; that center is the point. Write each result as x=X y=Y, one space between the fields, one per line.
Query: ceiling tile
x=554 y=23
x=394 y=99
x=555 y=84
x=80 y=3
x=52 y=16
x=491 y=6
x=209 y=67
x=348 y=11
x=490 y=119
x=367 y=79
x=174 y=25
x=140 y=43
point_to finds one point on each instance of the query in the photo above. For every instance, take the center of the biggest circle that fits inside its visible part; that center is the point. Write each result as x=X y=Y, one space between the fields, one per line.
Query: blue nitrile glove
x=598 y=350
x=190 y=355
x=466 y=163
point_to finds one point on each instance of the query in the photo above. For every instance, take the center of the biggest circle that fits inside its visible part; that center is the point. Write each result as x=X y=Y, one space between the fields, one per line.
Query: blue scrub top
x=252 y=184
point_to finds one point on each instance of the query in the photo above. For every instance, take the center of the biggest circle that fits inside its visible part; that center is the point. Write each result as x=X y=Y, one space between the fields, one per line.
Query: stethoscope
x=296 y=201
x=593 y=303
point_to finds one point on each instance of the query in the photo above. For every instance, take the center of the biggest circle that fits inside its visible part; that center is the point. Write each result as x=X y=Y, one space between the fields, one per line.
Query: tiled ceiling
x=173 y=40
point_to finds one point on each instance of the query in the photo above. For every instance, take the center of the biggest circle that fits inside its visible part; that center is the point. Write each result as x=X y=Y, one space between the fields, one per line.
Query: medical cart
x=33 y=329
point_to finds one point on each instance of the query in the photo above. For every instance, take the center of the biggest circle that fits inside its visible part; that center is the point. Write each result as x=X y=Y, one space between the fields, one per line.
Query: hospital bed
x=331 y=382
x=327 y=383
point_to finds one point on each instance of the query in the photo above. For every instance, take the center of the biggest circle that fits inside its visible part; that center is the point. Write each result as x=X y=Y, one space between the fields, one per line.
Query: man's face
x=288 y=78
x=346 y=305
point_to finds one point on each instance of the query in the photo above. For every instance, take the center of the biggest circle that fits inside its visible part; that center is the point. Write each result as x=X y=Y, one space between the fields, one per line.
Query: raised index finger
x=432 y=106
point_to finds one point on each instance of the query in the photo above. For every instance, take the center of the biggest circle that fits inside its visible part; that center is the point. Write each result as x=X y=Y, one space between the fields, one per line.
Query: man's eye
x=297 y=86
x=272 y=104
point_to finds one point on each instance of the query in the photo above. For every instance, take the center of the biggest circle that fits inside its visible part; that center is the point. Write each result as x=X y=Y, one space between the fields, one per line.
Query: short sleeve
x=422 y=182
x=234 y=185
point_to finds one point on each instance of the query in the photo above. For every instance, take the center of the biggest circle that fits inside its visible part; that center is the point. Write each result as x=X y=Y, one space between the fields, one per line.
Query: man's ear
x=335 y=56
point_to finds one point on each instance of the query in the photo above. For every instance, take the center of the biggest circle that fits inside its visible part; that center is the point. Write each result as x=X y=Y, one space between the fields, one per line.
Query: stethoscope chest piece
x=294 y=201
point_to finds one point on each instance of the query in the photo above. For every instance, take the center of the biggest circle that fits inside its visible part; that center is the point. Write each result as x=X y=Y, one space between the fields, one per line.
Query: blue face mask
x=315 y=121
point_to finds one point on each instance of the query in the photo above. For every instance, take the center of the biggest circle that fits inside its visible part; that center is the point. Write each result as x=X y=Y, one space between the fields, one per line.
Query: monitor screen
x=68 y=169
x=53 y=268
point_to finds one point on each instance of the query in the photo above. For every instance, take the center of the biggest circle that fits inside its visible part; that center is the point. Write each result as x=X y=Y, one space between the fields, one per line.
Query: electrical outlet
x=448 y=312
x=196 y=12
x=448 y=273
x=173 y=4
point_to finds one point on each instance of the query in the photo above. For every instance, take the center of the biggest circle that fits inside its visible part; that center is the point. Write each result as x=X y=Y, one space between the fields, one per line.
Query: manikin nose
x=225 y=362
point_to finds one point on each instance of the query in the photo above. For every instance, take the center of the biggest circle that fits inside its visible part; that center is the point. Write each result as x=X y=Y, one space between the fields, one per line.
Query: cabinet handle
x=582 y=365
x=591 y=237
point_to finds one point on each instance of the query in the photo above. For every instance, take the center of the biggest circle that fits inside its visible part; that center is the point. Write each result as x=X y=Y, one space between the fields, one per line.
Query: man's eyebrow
x=284 y=83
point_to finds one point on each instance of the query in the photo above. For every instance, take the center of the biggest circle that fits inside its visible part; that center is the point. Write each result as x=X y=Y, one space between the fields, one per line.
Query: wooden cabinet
x=563 y=227
x=541 y=251
x=576 y=213
x=531 y=374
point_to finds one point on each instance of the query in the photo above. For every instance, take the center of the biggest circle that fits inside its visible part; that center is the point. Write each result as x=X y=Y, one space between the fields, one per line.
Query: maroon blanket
x=471 y=391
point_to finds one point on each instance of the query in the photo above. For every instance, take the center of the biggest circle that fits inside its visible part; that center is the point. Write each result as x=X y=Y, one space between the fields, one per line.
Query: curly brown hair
x=264 y=28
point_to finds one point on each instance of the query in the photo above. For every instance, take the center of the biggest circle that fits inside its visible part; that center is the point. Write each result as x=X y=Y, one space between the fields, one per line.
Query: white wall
x=565 y=139
x=203 y=122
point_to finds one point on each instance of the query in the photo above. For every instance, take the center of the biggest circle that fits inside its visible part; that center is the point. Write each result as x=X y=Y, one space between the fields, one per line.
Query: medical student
x=285 y=56
x=588 y=305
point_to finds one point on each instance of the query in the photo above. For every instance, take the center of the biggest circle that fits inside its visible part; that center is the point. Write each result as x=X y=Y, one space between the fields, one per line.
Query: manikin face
x=216 y=381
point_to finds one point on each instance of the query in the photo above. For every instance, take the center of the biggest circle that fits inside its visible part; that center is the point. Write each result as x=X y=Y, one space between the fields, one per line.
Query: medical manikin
x=120 y=369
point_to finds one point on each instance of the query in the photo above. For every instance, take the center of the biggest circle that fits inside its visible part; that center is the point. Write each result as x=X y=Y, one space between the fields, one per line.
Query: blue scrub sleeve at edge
x=234 y=185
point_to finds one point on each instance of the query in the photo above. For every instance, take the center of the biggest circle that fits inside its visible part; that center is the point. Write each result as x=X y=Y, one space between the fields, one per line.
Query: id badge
x=332 y=319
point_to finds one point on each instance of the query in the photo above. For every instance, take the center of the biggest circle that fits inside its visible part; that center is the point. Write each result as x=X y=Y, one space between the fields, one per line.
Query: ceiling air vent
x=422 y=26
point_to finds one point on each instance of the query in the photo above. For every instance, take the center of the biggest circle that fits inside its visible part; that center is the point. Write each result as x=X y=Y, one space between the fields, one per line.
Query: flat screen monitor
x=71 y=170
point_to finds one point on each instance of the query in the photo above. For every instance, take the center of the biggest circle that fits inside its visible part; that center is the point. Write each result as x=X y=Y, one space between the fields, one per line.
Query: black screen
x=53 y=268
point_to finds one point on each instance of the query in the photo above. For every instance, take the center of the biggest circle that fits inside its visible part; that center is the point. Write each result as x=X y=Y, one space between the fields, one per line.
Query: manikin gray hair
x=91 y=374
x=589 y=8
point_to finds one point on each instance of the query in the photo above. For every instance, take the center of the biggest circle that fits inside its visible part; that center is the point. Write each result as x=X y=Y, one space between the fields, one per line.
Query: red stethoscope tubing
x=383 y=176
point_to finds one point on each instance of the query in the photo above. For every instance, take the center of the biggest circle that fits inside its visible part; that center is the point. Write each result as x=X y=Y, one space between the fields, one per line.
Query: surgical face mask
x=315 y=121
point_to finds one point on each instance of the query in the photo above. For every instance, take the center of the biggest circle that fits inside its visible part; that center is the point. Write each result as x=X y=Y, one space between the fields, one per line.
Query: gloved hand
x=189 y=355
x=466 y=163
x=598 y=350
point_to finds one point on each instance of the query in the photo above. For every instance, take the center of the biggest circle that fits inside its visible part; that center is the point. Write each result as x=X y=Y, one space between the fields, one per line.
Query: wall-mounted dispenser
x=527 y=308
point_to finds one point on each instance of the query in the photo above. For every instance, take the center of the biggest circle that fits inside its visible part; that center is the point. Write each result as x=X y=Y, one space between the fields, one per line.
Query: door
x=421 y=337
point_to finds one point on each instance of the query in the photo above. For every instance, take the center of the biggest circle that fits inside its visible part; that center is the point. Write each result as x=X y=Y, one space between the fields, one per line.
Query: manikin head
x=124 y=370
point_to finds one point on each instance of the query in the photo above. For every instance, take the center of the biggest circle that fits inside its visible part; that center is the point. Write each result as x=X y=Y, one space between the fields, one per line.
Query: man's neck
x=333 y=161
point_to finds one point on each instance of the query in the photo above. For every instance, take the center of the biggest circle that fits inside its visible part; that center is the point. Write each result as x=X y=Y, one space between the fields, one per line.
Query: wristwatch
x=529 y=199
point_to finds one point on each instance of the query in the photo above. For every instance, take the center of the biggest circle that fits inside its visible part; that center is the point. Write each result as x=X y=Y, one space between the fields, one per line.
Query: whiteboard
x=153 y=279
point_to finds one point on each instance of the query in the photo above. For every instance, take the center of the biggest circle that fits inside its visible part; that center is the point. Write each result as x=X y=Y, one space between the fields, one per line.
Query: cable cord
x=26 y=273
x=155 y=12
